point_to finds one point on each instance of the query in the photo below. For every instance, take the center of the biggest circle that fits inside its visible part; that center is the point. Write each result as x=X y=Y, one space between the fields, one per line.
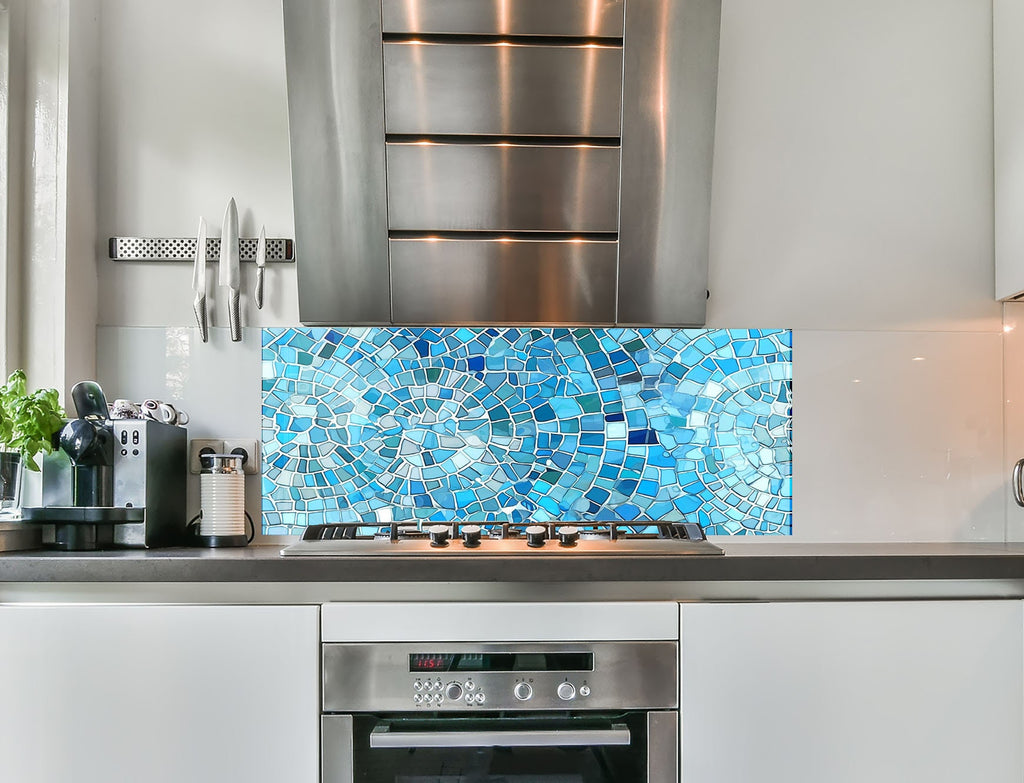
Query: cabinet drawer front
x=502 y=187
x=502 y=89
x=503 y=281
x=598 y=18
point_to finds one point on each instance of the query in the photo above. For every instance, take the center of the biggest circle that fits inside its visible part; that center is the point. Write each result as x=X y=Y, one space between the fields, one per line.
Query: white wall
x=852 y=203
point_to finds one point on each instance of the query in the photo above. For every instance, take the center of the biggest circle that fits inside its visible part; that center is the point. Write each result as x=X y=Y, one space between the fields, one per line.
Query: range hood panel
x=502 y=188
x=592 y=18
x=438 y=88
x=580 y=132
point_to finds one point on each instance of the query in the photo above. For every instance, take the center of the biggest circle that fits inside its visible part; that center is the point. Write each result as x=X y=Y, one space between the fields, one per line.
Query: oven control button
x=470 y=685
x=584 y=690
x=417 y=699
x=438 y=535
x=417 y=686
x=566 y=691
x=536 y=535
x=471 y=536
x=479 y=698
x=469 y=698
x=438 y=698
x=568 y=535
x=522 y=691
x=453 y=692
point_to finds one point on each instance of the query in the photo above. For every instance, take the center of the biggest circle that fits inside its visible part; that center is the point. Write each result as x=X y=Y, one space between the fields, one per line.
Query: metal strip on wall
x=336 y=129
x=668 y=133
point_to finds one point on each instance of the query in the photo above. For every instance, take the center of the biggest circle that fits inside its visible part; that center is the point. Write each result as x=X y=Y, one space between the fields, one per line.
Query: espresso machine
x=112 y=483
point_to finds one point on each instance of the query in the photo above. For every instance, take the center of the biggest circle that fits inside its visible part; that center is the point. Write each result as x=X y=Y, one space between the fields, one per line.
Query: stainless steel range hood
x=502 y=161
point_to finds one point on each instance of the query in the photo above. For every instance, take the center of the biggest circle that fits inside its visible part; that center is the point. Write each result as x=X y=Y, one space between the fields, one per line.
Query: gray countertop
x=760 y=561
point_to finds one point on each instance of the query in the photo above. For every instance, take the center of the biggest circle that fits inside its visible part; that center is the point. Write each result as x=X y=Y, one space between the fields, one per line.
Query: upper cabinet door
x=1008 y=105
x=502 y=161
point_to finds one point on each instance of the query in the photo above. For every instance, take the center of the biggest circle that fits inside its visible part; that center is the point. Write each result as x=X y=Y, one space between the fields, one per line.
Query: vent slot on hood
x=510 y=136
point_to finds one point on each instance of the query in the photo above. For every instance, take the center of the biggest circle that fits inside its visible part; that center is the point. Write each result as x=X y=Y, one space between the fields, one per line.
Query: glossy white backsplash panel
x=1013 y=395
x=911 y=452
x=897 y=436
x=216 y=383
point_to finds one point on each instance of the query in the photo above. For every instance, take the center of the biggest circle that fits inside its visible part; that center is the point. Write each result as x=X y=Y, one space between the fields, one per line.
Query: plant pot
x=11 y=470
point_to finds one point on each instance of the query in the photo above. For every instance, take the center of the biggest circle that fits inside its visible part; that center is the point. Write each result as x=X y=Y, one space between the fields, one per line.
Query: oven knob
x=584 y=690
x=522 y=691
x=471 y=535
x=453 y=692
x=535 y=535
x=566 y=691
x=417 y=699
x=479 y=698
x=438 y=535
x=417 y=686
x=470 y=685
x=568 y=535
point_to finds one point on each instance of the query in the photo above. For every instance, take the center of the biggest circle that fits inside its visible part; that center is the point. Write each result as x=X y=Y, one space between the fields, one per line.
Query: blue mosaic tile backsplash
x=514 y=424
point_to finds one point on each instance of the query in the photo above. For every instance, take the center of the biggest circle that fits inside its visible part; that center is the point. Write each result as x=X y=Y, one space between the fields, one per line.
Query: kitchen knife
x=229 y=274
x=199 y=281
x=261 y=262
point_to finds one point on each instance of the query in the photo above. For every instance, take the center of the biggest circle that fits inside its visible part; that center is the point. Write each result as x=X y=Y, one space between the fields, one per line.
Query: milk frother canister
x=222 y=497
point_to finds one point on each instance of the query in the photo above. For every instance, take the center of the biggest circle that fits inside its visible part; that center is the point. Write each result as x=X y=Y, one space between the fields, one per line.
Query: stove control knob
x=471 y=535
x=522 y=691
x=438 y=535
x=453 y=692
x=535 y=535
x=584 y=690
x=566 y=691
x=568 y=535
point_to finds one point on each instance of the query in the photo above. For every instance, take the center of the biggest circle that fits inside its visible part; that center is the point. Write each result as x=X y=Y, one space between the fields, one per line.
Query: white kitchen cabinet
x=161 y=694
x=1008 y=128
x=851 y=692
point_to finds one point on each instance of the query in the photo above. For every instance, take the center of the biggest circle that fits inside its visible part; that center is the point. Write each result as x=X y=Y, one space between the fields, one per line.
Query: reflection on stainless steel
x=494 y=281
x=663 y=750
x=336 y=122
x=594 y=18
x=668 y=129
x=433 y=88
x=626 y=675
x=502 y=187
x=336 y=749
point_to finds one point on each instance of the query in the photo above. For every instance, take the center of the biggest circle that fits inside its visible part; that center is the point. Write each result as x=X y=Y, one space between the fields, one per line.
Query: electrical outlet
x=199 y=446
x=250 y=451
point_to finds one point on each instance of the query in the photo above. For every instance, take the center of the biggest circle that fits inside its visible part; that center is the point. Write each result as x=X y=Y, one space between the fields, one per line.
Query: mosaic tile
x=516 y=424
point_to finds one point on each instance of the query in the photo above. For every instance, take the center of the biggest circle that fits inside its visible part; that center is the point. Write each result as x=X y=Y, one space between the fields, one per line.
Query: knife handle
x=234 y=317
x=258 y=294
x=199 y=306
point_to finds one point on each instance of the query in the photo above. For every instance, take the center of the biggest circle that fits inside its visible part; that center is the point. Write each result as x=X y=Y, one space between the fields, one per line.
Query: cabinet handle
x=1018 y=488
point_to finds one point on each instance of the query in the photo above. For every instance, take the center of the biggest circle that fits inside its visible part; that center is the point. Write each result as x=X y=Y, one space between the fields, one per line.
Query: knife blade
x=199 y=282
x=229 y=273
x=261 y=262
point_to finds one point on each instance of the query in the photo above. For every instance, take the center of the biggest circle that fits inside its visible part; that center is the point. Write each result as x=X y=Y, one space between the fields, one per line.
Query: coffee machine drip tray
x=89 y=515
x=80 y=528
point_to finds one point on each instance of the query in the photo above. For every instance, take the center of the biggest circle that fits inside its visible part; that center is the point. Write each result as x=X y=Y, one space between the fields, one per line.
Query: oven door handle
x=383 y=737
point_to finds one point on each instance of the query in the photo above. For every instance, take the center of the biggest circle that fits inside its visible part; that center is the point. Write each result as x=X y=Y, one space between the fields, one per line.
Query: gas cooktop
x=504 y=539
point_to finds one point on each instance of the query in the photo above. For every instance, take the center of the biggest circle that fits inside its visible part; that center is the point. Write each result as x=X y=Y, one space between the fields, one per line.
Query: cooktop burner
x=468 y=539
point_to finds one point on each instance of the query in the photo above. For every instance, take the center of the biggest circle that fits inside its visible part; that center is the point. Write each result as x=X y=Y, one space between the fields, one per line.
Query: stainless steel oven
x=518 y=712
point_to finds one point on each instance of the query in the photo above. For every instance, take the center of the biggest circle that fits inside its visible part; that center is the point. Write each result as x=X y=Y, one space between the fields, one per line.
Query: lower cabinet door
x=852 y=692
x=160 y=694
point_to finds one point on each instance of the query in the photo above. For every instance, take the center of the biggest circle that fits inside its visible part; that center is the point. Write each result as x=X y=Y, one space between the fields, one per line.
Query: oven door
x=631 y=747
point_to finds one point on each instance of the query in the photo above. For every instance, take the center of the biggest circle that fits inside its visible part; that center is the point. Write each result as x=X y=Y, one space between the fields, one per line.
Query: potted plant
x=28 y=423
